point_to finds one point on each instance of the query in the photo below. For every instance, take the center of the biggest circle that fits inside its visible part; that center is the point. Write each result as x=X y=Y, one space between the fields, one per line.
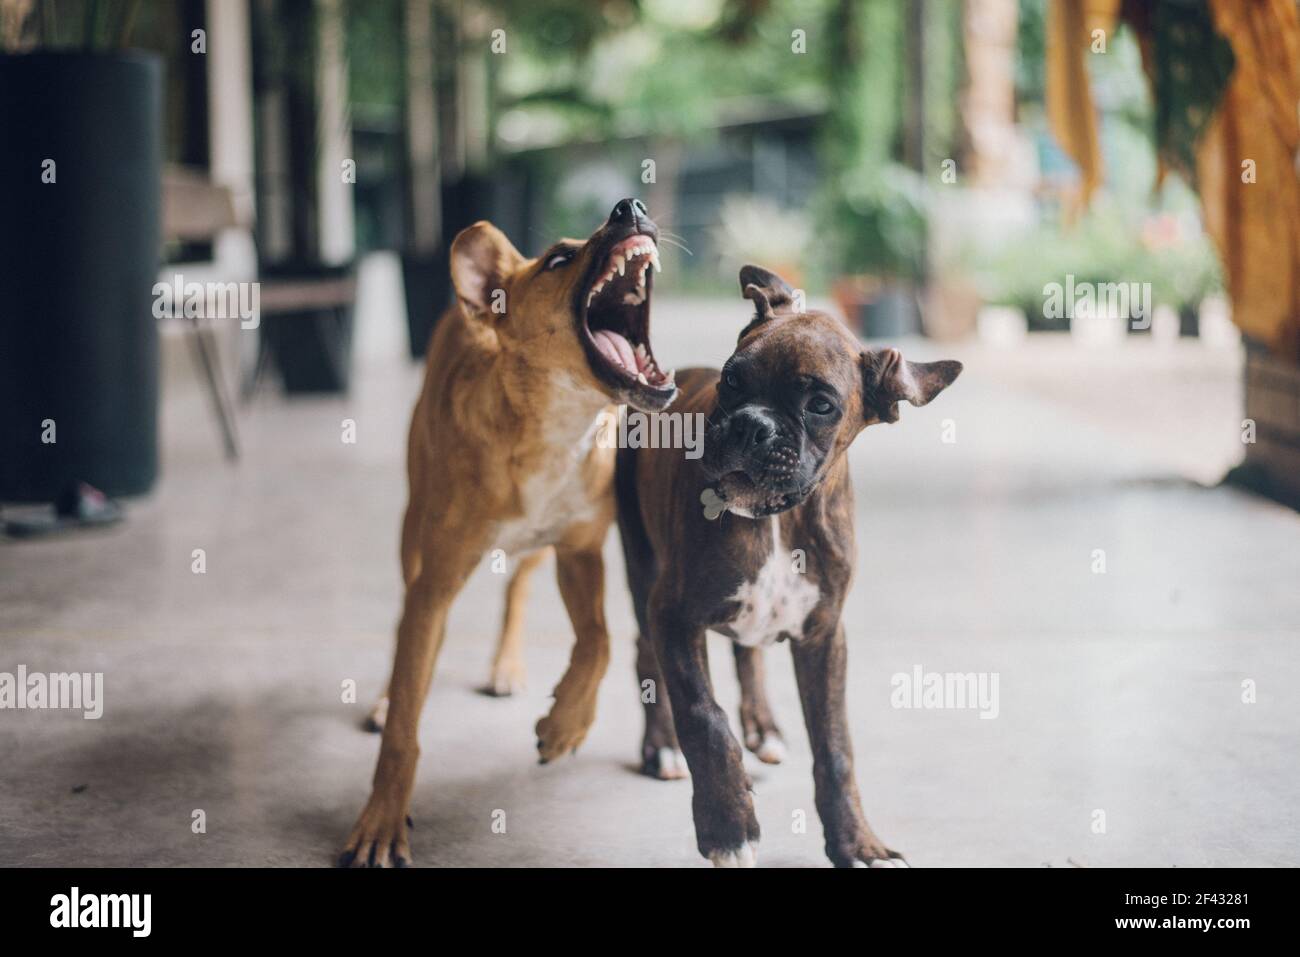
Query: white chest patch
x=778 y=600
x=553 y=497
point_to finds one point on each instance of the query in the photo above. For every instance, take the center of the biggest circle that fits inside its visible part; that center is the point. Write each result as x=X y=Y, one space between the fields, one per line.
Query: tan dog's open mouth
x=614 y=312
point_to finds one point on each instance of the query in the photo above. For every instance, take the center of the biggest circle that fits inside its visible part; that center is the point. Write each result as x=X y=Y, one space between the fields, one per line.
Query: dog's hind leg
x=762 y=736
x=507 y=675
x=411 y=560
x=581 y=575
x=661 y=755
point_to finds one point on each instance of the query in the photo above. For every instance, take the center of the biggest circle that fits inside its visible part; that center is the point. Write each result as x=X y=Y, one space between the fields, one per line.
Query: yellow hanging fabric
x=1256 y=135
x=1070 y=111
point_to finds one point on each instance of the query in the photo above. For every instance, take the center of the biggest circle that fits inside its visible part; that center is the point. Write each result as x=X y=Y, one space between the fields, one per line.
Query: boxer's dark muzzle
x=758 y=461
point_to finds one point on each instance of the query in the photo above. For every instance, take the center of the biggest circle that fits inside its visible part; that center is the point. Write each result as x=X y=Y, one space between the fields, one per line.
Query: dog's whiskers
x=672 y=242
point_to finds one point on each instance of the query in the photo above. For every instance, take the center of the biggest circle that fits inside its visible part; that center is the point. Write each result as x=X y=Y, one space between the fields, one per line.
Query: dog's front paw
x=865 y=851
x=561 y=731
x=744 y=856
x=379 y=838
x=726 y=827
x=891 y=859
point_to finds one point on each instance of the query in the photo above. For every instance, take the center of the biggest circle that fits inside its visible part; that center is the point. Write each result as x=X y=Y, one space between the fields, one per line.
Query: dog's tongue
x=615 y=348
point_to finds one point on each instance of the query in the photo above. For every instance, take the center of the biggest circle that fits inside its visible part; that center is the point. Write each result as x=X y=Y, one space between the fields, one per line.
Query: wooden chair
x=197 y=210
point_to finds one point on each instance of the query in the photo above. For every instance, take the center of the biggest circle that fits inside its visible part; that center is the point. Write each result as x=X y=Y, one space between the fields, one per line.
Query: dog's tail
x=638 y=553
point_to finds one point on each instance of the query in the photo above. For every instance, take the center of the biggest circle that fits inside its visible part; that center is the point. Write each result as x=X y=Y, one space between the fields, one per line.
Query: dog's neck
x=528 y=385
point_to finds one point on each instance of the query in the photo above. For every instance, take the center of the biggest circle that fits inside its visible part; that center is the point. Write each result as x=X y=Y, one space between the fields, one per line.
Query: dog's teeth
x=654 y=258
x=621 y=265
x=640 y=377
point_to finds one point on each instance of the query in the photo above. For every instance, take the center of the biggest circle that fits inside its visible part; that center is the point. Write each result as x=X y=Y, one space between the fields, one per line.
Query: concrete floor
x=1120 y=692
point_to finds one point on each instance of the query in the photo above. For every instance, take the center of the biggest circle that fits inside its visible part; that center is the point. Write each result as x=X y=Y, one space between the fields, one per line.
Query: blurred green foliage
x=598 y=78
x=1106 y=245
x=1031 y=51
x=374 y=52
x=663 y=66
x=879 y=221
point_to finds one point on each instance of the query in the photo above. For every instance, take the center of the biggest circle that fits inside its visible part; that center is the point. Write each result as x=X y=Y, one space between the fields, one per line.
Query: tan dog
x=502 y=454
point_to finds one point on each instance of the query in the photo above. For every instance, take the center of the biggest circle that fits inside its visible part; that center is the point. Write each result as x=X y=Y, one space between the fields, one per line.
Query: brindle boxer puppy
x=708 y=547
x=502 y=454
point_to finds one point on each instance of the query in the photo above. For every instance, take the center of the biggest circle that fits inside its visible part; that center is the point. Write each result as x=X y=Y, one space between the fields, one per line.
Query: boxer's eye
x=820 y=405
x=731 y=380
x=558 y=260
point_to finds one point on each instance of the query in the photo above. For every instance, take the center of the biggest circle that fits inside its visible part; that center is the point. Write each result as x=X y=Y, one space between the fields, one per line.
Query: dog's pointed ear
x=481 y=258
x=889 y=379
x=768 y=291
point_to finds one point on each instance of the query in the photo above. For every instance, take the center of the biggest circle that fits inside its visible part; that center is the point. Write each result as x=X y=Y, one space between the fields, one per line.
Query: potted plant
x=1185 y=270
x=81 y=194
x=879 y=246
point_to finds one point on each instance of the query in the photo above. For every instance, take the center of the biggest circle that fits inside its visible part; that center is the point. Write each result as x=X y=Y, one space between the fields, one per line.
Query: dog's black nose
x=627 y=211
x=750 y=430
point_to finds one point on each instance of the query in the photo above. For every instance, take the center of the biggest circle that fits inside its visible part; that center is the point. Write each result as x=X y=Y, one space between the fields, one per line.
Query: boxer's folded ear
x=890 y=379
x=481 y=258
x=769 y=292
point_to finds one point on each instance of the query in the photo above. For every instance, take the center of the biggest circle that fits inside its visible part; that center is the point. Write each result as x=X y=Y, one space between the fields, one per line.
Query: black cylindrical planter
x=312 y=346
x=426 y=280
x=79 y=257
